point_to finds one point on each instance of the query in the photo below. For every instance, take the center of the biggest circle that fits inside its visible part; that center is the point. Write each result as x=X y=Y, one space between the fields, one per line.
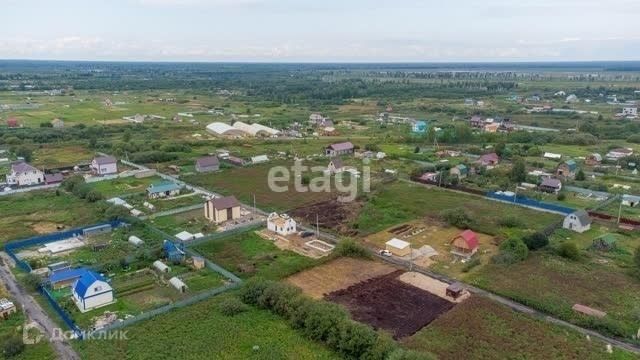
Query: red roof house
x=491 y=159
x=465 y=244
x=12 y=122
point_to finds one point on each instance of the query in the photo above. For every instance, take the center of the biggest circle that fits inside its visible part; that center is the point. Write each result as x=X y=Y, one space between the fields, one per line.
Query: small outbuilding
x=163 y=189
x=161 y=267
x=136 y=241
x=454 y=290
x=65 y=278
x=578 y=221
x=398 y=247
x=207 y=164
x=178 y=284
x=465 y=244
x=6 y=308
x=197 y=262
x=219 y=210
x=550 y=185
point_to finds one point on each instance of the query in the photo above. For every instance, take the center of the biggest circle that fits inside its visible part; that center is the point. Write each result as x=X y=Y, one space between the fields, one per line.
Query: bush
x=569 y=251
x=511 y=251
x=510 y=221
x=536 y=241
x=350 y=248
x=562 y=196
x=12 y=346
x=232 y=306
x=457 y=217
x=471 y=264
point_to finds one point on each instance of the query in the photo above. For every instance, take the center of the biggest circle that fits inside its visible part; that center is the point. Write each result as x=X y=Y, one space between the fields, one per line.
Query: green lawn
x=401 y=201
x=248 y=255
x=124 y=186
x=200 y=331
x=28 y=214
x=13 y=327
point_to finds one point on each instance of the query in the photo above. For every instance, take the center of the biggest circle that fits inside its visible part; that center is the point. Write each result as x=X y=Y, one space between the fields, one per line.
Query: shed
x=136 y=241
x=207 y=164
x=160 y=266
x=398 y=247
x=259 y=159
x=95 y=230
x=178 y=284
x=550 y=185
x=185 y=236
x=198 y=262
x=454 y=290
x=6 y=308
x=465 y=244
x=65 y=278
x=630 y=200
x=219 y=210
x=58 y=266
x=578 y=221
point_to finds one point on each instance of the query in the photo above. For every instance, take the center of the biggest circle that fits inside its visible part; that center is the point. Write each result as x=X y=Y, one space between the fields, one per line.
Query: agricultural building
x=163 y=189
x=465 y=244
x=281 y=224
x=207 y=164
x=178 y=284
x=398 y=247
x=219 y=210
x=578 y=221
x=161 y=267
x=224 y=130
x=91 y=291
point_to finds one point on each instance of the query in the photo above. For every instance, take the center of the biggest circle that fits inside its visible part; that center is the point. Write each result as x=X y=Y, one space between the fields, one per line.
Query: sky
x=320 y=30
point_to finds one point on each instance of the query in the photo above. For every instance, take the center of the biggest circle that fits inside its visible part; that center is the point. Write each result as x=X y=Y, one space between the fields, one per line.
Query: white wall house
x=23 y=174
x=281 y=224
x=578 y=221
x=92 y=291
x=104 y=165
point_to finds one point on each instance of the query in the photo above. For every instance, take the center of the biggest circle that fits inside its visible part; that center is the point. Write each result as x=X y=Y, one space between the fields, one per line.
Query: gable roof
x=571 y=164
x=582 y=216
x=341 y=146
x=489 y=158
x=469 y=237
x=337 y=162
x=104 y=160
x=207 y=161
x=57 y=177
x=162 y=187
x=22 y=167
x=225 y=202
x=554 y=183
x=67 y=274
x=87 y=278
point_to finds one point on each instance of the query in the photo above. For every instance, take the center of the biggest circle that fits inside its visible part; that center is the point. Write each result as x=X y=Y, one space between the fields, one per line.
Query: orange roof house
x=465 y=244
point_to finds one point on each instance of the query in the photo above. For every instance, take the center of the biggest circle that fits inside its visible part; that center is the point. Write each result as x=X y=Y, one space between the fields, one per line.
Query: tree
x=536 y=241
x=457 y=217
x=416 y=150
x=519 y=171
x=512 y=250
x=580 y=175
x=500 y=148
x=24 y=152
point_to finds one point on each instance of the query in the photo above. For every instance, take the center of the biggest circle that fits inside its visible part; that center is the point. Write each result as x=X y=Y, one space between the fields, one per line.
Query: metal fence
x=27 y=189
x=525 y=201
x=60 y=311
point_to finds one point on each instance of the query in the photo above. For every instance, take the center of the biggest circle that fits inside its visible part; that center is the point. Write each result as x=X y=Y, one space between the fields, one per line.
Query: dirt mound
x=332 y=214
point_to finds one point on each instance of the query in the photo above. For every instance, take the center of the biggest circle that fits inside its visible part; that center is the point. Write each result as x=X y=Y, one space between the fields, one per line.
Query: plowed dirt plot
x=337 y=274
x=330 y=214
x=389 y=304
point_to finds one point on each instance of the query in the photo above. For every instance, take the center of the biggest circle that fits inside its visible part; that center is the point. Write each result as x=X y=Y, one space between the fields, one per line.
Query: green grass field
x=199 y=329
x=13 y=327
x=249 y=255
x=402 y=201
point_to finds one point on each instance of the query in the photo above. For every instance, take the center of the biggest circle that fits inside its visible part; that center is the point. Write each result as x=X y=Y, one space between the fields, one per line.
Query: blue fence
x=525 y=201
x=61 y=312
x=13 y=246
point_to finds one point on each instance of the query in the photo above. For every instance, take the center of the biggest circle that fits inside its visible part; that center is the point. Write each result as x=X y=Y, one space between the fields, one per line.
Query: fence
x=31 y=188
x=60 y=311
x=457 y=187
x=608 y=217
x=11 y=247
x=525 y=201
x=219 y=235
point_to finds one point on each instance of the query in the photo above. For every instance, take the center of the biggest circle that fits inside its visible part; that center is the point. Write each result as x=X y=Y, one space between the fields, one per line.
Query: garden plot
x=387 y=303
x=309 y=246
x=336 y=275
x=430 y=240
x=330 y=214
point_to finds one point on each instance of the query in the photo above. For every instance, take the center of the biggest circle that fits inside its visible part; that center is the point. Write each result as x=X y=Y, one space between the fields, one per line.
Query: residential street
x=33 y=310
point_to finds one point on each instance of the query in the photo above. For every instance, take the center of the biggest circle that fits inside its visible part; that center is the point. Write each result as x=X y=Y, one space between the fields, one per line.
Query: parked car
x=384 y=252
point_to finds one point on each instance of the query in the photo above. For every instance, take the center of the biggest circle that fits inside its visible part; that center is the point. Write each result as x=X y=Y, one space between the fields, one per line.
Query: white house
x=92 y=291
x=335 y=166
x=23 y=174
x=281 y=224
x=104 y=165
x=578 y=221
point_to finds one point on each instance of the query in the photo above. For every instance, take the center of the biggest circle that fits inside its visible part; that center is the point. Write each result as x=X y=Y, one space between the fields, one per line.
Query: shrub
x=350 y=248
x=536 y=241
x=457 y=217
x=561 y=197
x=510 y=221
x=471 y=264
x=252 y=290
x=232 y=306
x=569 y=251
x=511 y=251
x=12 y=346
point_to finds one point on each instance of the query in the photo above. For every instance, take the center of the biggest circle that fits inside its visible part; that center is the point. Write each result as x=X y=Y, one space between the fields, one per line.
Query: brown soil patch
x=337 y=274
x=45 y=227
x=389 y=304
x=331 y=214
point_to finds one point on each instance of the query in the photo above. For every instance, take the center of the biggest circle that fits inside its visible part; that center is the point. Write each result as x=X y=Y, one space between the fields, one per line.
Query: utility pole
x=255 y=210
x=317 y=227
x=619 y=211
x=410 y=257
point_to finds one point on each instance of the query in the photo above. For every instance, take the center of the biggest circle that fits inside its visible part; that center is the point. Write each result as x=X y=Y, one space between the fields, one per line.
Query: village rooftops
x=87 y=278
x=582 y=216
x=65 y=275
x=162 y=187
x=225 y=202
x=341 y=146
x=103 y=160
x=337 y=162
x=207 y=161
x=22 y=167
x=552 y=183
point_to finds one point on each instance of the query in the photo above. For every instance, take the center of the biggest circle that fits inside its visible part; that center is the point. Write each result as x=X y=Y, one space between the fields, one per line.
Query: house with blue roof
x=163 y=189
x=91 y=291
x=65 y=278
